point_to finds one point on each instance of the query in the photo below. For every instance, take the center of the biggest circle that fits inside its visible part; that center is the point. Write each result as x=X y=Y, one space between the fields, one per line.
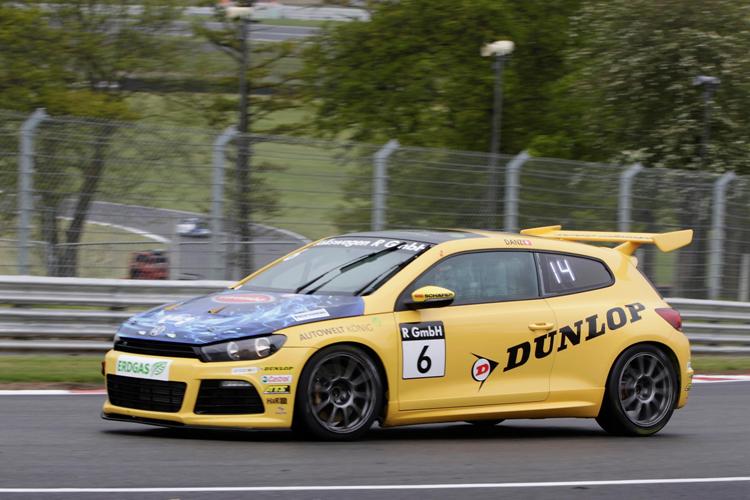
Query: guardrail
x=81 y=315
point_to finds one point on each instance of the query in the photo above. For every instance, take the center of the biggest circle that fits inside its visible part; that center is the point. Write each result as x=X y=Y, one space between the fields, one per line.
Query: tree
x=75 y=64
x=638 y=60
x=264 y=89
x=413 y=72
x=28 y=81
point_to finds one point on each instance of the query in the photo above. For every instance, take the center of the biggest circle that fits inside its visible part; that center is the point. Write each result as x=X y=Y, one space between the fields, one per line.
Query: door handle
x=541 y=326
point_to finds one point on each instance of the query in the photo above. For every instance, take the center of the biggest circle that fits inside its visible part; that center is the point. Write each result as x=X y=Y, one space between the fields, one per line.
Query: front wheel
x=641 y=393
x=340 y=394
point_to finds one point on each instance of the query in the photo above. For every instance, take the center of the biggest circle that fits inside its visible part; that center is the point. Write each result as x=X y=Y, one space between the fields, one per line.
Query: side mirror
x=431 y=296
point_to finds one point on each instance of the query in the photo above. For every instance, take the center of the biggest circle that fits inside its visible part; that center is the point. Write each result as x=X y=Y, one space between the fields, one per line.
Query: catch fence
x=93 y=198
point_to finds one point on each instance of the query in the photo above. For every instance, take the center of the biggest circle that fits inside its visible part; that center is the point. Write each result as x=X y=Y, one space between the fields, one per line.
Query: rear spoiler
x=666 y=242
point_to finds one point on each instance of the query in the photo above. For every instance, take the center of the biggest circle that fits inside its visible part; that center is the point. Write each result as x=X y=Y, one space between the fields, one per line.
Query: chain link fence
x=92 y=198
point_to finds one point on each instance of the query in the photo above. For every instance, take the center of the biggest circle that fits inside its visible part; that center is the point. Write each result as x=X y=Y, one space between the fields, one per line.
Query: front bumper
x=263 y=376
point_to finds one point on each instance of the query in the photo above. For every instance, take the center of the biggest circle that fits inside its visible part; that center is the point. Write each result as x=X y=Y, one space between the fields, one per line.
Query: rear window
x=563 y=274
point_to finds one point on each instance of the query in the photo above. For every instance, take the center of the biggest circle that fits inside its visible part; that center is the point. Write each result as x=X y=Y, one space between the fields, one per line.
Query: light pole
x=499 y=51
x=243 y=11
x=709 y=84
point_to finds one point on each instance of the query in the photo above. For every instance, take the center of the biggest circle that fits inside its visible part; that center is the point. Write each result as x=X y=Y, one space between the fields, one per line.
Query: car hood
x=235 y=314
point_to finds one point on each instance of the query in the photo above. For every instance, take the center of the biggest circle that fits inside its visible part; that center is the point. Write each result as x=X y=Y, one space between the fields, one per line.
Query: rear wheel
x=340 y=394
x=641 y=393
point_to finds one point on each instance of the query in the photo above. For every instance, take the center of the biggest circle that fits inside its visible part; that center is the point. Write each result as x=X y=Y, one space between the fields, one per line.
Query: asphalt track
x=60 y=442
x=189 y=256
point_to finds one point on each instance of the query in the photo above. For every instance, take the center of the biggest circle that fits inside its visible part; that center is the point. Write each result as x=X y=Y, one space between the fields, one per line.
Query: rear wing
x=666 y=242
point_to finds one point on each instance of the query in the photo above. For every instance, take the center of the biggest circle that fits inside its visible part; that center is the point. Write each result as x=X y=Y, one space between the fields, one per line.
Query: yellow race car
x=415 y=326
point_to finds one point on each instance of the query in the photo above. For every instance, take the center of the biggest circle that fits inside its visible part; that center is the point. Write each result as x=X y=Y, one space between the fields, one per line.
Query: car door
x=481 y=349
x=579 y=291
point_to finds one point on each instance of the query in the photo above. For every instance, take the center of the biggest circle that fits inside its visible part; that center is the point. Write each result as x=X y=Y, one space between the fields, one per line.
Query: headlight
x=242 y=350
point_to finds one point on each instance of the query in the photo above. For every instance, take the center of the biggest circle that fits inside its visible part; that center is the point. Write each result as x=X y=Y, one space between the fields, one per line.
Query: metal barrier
x=81 y=315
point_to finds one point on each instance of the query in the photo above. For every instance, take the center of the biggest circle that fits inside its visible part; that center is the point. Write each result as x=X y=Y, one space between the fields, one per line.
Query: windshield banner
x=409 y=246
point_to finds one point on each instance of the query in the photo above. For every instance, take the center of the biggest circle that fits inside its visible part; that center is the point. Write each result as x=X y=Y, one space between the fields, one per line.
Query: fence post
x=512 y=187
x=26 y=186
x=380 y=184
x=716 y=242
x=743 y=293
x=218 y=262
x=625 y=203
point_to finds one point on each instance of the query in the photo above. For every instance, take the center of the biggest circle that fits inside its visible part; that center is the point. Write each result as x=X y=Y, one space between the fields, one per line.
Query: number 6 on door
x=423 y=348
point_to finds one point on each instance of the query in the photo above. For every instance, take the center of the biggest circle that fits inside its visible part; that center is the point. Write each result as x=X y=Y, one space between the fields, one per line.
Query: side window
x=484 y=277
x=567 y=274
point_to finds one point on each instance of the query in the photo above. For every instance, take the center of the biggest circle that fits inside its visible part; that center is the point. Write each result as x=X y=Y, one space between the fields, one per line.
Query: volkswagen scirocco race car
x=408 y=327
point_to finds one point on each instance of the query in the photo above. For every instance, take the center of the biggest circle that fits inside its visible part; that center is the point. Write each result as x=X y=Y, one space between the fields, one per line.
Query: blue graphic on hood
x=236 y=314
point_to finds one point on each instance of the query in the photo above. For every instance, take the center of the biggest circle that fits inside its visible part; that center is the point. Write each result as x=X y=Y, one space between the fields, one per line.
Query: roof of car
x=433 y=236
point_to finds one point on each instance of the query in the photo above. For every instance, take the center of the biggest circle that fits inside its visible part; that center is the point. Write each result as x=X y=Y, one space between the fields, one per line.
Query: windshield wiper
x=344 y=268
x=385 y=275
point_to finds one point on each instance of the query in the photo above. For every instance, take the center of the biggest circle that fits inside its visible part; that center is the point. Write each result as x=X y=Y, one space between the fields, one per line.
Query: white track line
x=713 y=379
x=134 y=230
x=376 y=487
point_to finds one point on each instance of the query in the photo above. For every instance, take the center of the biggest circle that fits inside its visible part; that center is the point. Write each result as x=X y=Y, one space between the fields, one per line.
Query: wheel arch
x=654 y=343
x=373 y=356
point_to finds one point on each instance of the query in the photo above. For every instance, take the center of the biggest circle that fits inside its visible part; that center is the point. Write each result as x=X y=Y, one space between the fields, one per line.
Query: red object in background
x=149 y=265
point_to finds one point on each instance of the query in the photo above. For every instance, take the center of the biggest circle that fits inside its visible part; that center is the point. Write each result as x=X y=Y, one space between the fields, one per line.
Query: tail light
x=671 y=316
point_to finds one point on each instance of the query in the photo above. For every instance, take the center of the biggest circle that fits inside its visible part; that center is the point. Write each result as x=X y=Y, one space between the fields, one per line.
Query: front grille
x=144 y=394
x=155 y=348
x=213 y=399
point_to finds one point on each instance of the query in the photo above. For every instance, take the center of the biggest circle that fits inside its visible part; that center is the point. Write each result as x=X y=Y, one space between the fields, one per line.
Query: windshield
x=350 y=266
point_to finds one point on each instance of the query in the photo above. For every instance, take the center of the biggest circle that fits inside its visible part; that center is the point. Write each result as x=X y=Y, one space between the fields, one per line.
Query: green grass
x=67 y=369
x=713 y=364
x=86 y=369
x=308 y=180
x=105 y=253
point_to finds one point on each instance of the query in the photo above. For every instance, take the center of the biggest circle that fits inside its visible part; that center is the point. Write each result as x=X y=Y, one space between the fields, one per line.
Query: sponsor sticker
x=517 y=241
x=308 y=315
x=277 y=401
x=134 y=366
x=244 y=370
x=177 y=319
x=243 y=298
x=423 y=348
x=276 y=379
x=482 y=369
x=277 y=389
x=336 y=330
x=277 y=368
x=571 y=335
x=157 y=330
x=409 y=246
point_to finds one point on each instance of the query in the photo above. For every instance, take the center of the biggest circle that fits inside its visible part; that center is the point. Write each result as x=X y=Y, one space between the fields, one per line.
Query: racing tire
x=641 y=393
x=340 y=395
